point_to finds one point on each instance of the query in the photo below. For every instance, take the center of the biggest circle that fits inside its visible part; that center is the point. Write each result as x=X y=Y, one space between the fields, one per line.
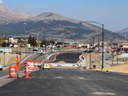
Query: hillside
x=51 y=26
x=8 y=16
x=124 y=32
x=57 y=29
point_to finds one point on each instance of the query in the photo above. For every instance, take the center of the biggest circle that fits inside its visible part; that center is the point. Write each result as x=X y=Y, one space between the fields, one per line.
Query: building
x=124 y=47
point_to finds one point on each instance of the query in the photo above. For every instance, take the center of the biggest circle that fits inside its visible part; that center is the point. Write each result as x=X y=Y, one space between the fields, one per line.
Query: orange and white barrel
x=12 y=71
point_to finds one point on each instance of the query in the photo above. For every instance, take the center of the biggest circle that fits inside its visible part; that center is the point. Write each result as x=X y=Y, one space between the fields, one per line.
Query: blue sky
x=112 y=13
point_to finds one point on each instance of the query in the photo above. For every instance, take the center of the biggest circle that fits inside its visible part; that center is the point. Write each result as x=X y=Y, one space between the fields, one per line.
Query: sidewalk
x=5 y=79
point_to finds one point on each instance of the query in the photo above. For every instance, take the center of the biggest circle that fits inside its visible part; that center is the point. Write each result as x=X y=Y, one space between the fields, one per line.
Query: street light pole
x=25 y=33
x=4 y=55
x=102 y=65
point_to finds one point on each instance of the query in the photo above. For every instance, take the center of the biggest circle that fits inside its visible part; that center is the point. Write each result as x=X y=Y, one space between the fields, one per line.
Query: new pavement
x=68 y=82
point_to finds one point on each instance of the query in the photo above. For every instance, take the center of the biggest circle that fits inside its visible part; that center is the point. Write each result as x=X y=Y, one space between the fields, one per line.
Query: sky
x=112 y=13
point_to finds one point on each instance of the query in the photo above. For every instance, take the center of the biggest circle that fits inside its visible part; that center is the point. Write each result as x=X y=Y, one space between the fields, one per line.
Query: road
x=69 y=57
x=68 y=82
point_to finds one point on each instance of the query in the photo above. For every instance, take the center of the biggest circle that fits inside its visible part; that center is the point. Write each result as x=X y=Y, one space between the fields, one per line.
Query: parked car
x=46 y=66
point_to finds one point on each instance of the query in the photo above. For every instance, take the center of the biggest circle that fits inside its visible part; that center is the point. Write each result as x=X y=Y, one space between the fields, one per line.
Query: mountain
x=124 y=32
x=8 y=16
x=51 y=26
x=52 y=16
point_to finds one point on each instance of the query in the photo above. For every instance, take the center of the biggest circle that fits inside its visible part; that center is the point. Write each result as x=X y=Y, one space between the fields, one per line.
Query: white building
x=12 y=40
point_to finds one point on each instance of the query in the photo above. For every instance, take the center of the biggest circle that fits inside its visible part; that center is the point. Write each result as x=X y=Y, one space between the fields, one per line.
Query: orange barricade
x=36 y=65
x=26 y=71
x=12 y=71
x=31 y=66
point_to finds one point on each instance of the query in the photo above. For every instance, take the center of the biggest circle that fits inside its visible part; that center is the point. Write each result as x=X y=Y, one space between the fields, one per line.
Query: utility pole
x=4 y=57
x=117 y=57
x=112 y=57
x=102 y=53
x=102 y=65
x=93 y=41
x=90 y=60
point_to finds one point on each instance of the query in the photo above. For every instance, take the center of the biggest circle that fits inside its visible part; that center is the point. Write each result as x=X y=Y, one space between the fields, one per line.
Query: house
x=6 y=50
x=124 y=47
x=12 y=40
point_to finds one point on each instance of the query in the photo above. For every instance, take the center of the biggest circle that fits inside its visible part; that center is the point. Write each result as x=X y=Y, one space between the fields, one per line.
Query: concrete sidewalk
x=6 y=79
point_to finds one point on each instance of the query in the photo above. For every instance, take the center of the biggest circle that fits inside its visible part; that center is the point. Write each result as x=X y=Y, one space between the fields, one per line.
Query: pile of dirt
x=61 y=62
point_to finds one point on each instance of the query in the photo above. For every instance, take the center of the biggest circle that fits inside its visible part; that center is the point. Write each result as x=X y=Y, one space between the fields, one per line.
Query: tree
x=59 y=43
x=43 y=42
x=5 y=44
x=32 y=41
x=52 y=42
x=47 y=42
x=1 y=42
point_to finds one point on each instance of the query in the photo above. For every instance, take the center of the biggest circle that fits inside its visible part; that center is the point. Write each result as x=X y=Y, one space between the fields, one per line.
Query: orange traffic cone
x=17 y=66
x=26 y=71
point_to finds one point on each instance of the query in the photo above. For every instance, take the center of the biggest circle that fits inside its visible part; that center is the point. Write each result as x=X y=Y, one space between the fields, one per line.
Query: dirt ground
x=117 y=68
x=121 y=68
x=9 y=58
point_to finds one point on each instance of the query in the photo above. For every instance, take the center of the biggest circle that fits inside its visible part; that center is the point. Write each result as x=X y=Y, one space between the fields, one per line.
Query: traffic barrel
x=12 y=71
x=26 y=71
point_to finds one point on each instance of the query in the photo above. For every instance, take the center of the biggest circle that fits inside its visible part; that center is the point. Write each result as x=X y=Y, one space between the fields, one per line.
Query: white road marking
x=59 y=77
x=81 y=78
x=104 y=94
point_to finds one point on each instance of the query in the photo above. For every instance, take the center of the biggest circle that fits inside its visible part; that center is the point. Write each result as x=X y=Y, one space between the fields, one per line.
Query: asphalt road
x=70 y=57
x=68 y=82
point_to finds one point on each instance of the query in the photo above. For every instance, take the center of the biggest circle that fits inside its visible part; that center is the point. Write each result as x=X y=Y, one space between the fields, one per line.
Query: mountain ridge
x=123 y=32
x=51 y=25
x=52 y=16
x=8 y=15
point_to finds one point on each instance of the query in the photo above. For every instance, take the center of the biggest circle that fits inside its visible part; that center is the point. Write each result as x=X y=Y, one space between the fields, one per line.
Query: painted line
x=59 y=77
x=104 y=94
x=81 y=78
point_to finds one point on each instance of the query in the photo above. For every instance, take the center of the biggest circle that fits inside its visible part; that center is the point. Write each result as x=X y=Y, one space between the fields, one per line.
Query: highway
x=68 y=82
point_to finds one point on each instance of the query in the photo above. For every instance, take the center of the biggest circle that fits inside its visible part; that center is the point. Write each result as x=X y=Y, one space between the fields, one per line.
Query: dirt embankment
x=9 y=58
x=122 y=68
x=117 y=68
